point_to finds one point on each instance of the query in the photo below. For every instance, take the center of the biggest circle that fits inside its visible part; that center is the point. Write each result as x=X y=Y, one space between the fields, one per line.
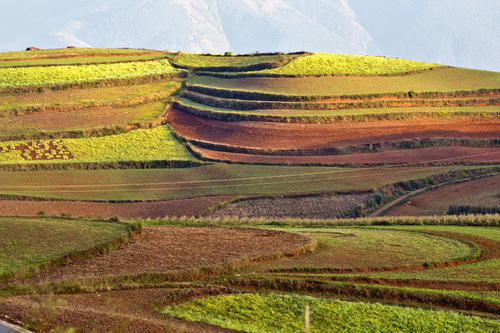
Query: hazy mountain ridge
x=455 y=32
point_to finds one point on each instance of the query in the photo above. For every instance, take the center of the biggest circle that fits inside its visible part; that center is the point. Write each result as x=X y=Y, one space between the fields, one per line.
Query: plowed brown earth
x=169 y=248
x=156 y=209
x=424 y=155
x=438 y=201
x=118 y=311
x=300 y=136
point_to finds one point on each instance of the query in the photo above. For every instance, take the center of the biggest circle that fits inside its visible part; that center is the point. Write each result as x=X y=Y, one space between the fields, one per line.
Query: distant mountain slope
x=455 y=32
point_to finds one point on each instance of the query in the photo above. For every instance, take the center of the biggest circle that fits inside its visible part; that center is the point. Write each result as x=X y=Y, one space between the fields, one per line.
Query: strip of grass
x=82 y=60
x=37 y=76
x=215 y=179
x=342 y=64
x=27 y=243
x=156 y=144
x=283 y=313
x=442 y=80
x=69 y=52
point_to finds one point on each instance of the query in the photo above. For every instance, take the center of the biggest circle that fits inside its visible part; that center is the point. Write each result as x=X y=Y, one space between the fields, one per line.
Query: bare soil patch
x=438 y=201
x=169 y=248
x=154 y=209
x=300 y=136
x=127 y=311
x=422 y=155
x=318 y=207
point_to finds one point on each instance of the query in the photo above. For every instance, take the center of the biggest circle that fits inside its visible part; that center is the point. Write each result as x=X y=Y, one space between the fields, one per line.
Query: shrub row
x=260 y=96
x=468 y=210
x=379 y=115
x=235 y=104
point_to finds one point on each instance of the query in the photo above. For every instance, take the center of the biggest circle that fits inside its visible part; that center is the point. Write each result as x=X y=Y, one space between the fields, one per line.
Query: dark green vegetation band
x=468 y=210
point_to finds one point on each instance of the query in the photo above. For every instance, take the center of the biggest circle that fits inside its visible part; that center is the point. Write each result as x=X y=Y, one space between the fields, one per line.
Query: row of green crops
x=37 y=76
x=156 y=144
x=82 y=60
x=283 y=313
x=341 y=64
x=69 y=52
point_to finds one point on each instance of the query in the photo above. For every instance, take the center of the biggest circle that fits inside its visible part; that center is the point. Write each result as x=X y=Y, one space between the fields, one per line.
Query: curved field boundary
x=344 y=150
x=229 y=75
x=384 y=114
x=96 y=84
x=261 y=96
x=115 y=282
x=404 y=199
x=133 y=231
x=243 y=105
x=364 y=291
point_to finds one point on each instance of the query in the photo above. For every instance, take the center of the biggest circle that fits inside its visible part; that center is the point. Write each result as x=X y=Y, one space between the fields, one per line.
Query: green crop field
x=284 y=313
x=29 y=242
x=341 y=64
x=138 y=145
x=69 y=52
x=353 y=248
x=442 y=80
x=37 y=76
x=82 y=60
x=47 y=123
x=84 y=97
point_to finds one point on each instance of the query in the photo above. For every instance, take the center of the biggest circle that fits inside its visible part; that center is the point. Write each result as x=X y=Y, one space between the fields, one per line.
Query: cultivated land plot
x=300 y=136
x=156 y=144
x=85 y=119
x=170 y=248
x=82 y=60
x=155 y=209
x=69 y=52
x=29 y=242
x=320 y=207
x=355 y=248
x=481 y=192
x=217 y=179
x=83 y=97
x=342 y=64
x=423 y=155
x=441 y=80
x=36 y=76
x=200 y=61
x=285 y=313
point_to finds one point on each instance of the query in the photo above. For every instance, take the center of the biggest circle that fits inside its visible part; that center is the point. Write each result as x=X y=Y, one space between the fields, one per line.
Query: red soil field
x=421 y=155
x=300 y=136
x=438 y=201
x=169 y=248
x=118 y=311
x=156 y=209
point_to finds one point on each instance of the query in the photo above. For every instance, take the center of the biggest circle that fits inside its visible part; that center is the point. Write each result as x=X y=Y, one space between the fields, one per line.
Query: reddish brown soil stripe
x=157 y=209
x=264 y=135
x=422 y=155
